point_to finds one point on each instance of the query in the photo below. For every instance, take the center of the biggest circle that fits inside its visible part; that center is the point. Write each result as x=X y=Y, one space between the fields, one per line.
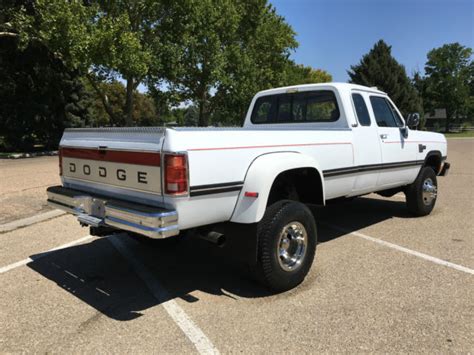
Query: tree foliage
x=39 y=97
x=379 y=68
x=300 y=74
x=449 y=81
x=101 y=39
x=200 y=50
x=229 y=50
x=202 y=61
x=144 y=111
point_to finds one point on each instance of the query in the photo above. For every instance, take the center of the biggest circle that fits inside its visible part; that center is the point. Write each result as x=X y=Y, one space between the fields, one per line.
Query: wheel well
x=433 y=160
x=303 y=184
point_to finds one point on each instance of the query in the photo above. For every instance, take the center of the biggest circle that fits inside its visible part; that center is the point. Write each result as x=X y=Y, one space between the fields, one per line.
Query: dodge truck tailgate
x=122 y=163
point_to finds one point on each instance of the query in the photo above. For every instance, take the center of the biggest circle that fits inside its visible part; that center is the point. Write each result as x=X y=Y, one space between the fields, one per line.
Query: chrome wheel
x=429 y=192
x=292 y=246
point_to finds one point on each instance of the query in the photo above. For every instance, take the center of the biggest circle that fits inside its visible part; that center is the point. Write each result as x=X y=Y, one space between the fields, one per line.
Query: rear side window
x=261 y=112
x=383 y=113
x=312 y=106
x=361 y=109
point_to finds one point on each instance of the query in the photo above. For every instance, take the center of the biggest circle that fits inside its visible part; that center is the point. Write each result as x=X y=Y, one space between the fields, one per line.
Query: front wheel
x=422 y=193
x=286 y=245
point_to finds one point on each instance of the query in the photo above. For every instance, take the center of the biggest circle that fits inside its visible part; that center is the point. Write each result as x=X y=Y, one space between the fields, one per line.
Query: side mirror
x=413 y=120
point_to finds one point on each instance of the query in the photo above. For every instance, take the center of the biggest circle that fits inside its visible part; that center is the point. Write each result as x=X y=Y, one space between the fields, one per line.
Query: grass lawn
x=465 y=134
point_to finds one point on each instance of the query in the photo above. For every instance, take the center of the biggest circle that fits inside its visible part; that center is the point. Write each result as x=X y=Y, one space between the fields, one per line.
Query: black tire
x=170 y=242
x=417 y=203
x=270 y=228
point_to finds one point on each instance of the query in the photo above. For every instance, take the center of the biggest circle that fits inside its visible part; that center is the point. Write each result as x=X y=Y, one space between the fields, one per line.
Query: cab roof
x=335 y=85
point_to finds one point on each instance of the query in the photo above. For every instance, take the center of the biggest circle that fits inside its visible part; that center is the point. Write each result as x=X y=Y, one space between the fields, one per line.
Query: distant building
x=436 y=119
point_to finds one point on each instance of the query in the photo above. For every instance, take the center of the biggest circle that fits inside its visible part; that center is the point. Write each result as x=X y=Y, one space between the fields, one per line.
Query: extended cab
x=249 y=187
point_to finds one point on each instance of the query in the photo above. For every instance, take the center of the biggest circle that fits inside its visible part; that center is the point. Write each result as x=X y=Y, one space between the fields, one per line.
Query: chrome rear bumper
x=96 y=211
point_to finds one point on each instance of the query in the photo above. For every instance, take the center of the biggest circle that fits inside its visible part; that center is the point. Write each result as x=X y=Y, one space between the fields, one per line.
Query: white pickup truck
x=248 y=188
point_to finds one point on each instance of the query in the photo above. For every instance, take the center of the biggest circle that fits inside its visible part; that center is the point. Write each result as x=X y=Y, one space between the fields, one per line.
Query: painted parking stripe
x=6 y=268
x=406 y=250
x=189 y=328
x=24 y=222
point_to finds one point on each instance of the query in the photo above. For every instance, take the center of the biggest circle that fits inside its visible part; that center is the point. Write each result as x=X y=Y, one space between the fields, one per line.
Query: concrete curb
x=29 y=155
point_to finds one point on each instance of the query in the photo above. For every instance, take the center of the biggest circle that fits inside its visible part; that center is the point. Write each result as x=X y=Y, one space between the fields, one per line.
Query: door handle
x=383 y=136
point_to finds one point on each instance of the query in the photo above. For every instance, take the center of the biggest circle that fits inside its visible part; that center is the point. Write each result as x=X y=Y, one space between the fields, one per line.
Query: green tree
x=144 y=110
x=419 y=83
x=101 y=39
x=449 y=80
x=257 y=60
x=39 y=97
x=379 y=68
x=301 y=74
x=230 y=50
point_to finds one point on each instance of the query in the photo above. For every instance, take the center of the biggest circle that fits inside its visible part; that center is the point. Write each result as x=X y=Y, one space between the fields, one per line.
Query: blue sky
x=334 y=34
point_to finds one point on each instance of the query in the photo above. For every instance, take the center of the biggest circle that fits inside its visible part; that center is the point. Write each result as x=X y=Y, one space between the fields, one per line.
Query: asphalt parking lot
x=382 y=280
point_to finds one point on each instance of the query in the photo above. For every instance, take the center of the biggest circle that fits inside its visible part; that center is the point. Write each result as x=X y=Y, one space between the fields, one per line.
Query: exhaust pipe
x=213 y=237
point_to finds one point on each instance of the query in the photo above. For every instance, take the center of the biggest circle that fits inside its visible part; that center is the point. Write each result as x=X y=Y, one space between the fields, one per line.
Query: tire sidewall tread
x=269 y=228
x=414 y=193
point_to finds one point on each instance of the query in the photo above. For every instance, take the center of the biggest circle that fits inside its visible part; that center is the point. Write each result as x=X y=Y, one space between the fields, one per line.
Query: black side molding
x=372 y=167
x=210 y=189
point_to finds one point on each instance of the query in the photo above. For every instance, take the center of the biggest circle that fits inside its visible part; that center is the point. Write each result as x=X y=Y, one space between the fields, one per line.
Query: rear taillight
x=60 y=154
x=176 y=174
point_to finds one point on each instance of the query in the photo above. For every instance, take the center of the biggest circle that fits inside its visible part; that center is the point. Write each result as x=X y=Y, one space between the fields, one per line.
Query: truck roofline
x=334 y=85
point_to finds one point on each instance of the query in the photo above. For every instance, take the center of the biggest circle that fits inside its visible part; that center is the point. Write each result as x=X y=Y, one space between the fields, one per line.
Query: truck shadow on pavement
x=98 y=275
x=353 y=215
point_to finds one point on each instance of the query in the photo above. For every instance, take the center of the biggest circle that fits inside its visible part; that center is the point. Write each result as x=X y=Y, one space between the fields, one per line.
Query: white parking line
x=406 y=250
x=6 y=268
x=189 y=328
x=7 y=227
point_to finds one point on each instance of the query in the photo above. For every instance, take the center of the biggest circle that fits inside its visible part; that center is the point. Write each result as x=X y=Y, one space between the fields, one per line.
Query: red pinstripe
x=269 y=146
x=415 y=142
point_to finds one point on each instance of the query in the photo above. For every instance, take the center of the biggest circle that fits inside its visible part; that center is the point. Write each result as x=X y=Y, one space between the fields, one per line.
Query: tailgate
x=123 y=163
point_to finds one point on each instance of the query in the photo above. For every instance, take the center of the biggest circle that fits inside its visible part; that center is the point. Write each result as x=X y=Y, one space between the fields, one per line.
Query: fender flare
x=437 y=154
x=260 y=176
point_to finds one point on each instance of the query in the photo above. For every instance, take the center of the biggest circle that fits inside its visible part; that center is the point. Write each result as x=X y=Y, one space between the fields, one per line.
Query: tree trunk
x=103 y=98
x=202 y=121
x=129 y=103
x=448 y=121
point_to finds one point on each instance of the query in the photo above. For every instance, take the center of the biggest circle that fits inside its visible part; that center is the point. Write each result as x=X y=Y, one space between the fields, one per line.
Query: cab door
x=399 y=165
x=367 y=151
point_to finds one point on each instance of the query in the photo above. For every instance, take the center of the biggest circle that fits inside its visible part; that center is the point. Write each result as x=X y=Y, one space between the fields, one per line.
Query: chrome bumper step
x=94 y=210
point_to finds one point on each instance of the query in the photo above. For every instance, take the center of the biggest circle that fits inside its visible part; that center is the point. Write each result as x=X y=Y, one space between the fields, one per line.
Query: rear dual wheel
x=286 y=245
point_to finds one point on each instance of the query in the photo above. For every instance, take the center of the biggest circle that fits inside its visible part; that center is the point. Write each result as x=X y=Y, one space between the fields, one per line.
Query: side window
x=322 y=107
x=284 y=108
x=383 y=112
x=312 y=106
x=361 y=109
x=299 y=108
x=398 y=119
x=263 y=109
